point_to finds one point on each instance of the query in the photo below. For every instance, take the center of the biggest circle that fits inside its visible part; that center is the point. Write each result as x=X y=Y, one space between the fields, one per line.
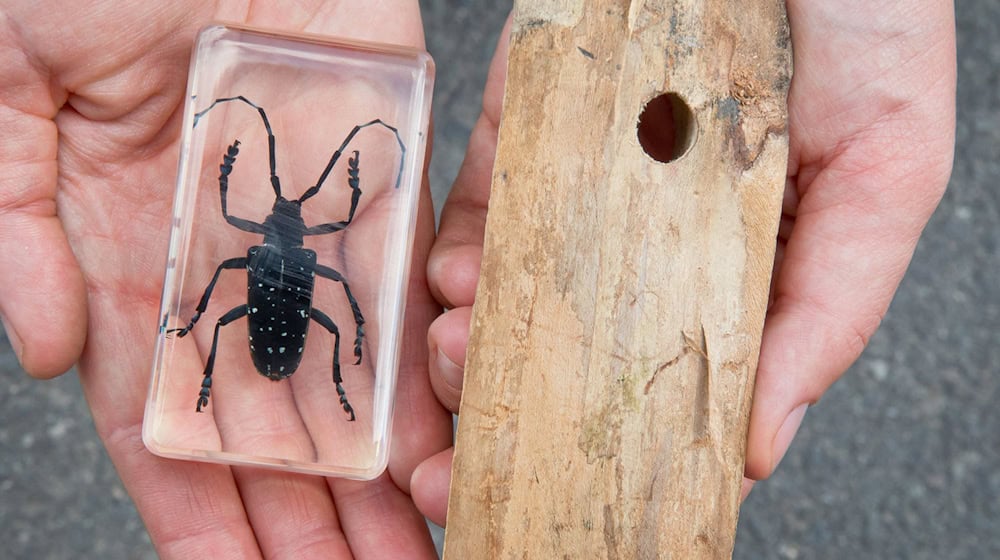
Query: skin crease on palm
x=90 y=105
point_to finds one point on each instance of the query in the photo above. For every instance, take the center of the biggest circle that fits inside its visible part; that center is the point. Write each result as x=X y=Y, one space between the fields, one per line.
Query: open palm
x=92 y=109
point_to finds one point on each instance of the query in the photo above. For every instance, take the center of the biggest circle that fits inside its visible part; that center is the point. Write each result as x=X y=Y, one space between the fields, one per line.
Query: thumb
x=42 y=293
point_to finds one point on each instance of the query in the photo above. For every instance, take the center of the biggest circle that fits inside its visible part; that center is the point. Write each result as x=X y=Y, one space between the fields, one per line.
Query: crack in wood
x=689 y=346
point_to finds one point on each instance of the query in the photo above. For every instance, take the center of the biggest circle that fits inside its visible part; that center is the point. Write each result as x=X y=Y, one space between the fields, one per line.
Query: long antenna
x=275 y=184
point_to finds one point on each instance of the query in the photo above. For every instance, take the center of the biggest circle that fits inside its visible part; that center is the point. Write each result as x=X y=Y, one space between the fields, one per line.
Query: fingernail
x=787 y=432
x=451 y=373
x=15 y=341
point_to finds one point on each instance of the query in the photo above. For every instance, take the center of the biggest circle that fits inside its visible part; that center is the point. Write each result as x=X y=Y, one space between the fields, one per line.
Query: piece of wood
x=617 y=321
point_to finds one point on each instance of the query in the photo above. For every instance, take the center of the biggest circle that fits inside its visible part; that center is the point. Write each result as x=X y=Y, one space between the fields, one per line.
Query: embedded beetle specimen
x=281 y=272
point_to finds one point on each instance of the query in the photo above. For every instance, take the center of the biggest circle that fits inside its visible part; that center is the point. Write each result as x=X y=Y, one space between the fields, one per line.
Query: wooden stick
x=618 y=318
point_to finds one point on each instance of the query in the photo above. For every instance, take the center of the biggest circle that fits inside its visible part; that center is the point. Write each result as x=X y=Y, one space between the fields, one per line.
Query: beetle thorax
x=285 y=227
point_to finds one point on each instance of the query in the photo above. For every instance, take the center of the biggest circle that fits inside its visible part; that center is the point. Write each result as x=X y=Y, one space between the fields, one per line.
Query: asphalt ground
x=901 y=459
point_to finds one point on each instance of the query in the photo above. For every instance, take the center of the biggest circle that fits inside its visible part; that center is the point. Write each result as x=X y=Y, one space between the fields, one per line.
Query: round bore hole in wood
x=667 y=129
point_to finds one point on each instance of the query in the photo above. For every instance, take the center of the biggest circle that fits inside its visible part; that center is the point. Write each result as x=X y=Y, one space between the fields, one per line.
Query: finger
x=453 y=267
x=746 y=488
x=380 y=520
x=447 y=339
x=42 y=294
x=421 y=426
x=292 y=516
x=430 y=485
x=190 y=509
x=861 y=210
x=297 y=512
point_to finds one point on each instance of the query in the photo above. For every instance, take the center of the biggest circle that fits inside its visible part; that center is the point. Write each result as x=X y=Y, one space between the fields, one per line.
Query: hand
x=91 y=107
x=871 y=126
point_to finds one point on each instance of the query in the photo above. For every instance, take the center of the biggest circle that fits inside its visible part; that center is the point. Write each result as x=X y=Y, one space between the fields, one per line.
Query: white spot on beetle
x=300 y=349
x=270 y=350
x=281 y=349
x=254 y=310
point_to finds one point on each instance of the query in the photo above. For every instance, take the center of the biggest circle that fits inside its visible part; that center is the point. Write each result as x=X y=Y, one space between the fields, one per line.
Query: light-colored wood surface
x=618 y=317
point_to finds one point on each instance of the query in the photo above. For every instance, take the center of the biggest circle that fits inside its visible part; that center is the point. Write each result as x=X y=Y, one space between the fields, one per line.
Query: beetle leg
x=312 y=191
x=331 y=274
x=206 y=383
x=355 y=183
x=228 y=264
x=224 y=170
x=329 y=325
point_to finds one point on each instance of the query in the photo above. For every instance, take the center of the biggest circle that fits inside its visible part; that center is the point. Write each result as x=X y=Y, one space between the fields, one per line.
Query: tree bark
x=618 y=317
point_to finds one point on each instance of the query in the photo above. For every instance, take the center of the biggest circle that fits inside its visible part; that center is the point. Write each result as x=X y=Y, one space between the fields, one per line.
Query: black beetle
x=281 y=272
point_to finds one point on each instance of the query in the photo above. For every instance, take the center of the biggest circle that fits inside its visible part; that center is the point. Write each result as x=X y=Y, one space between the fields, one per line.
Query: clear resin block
x=282 y=313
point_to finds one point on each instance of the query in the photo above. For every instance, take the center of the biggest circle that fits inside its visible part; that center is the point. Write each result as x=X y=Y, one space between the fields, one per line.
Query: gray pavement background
x=901 y=459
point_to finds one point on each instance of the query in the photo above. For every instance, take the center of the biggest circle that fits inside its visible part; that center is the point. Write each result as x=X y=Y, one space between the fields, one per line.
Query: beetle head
x=287 y=208
x=285 y=227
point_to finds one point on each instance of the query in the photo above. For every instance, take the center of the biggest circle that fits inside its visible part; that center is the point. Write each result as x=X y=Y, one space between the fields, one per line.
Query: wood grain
x=618 y=317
